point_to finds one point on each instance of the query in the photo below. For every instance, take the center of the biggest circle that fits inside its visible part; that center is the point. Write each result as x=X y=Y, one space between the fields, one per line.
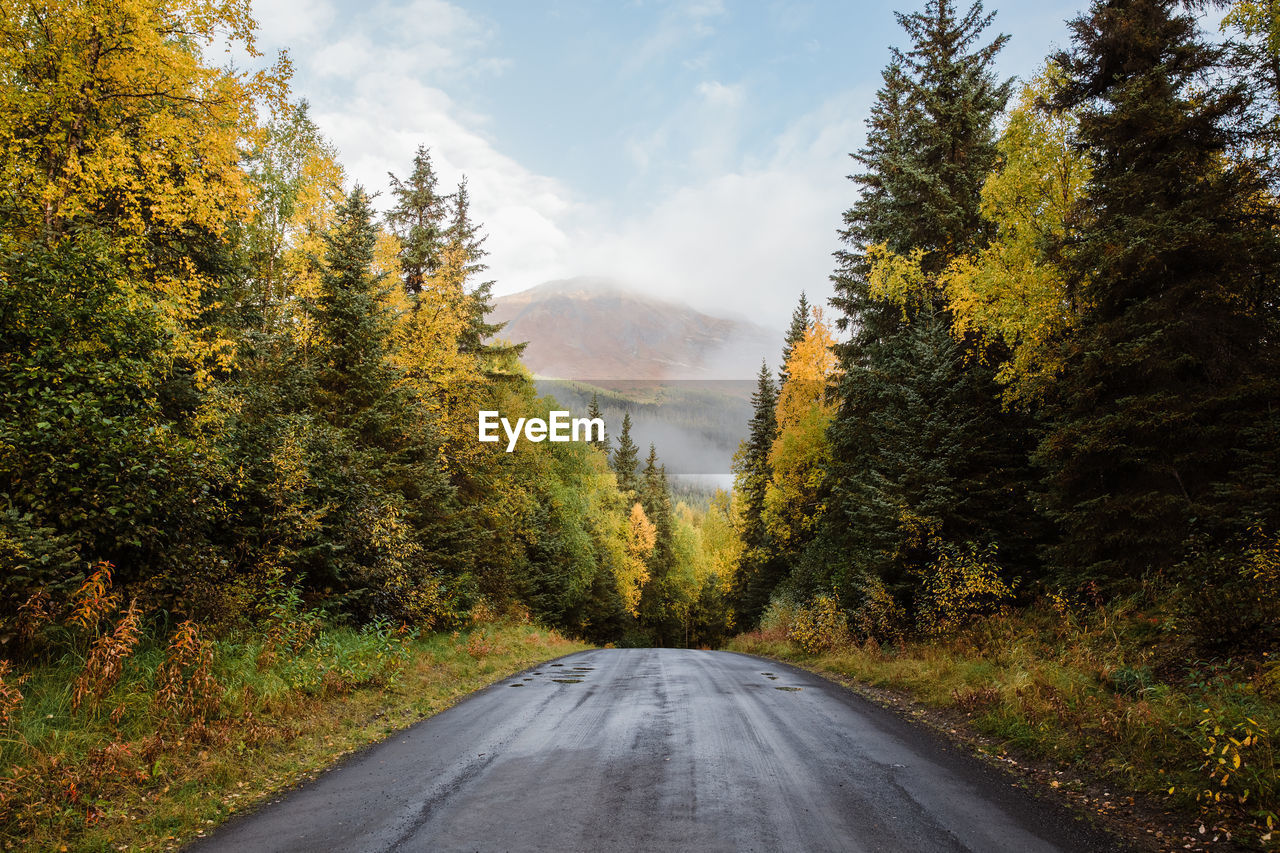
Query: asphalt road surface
x=660 y=749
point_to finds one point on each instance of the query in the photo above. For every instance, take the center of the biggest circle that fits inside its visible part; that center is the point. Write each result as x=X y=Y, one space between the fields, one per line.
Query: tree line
x=1053 y=368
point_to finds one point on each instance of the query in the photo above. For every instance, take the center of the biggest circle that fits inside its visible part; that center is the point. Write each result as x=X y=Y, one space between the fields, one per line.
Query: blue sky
x=694 y=149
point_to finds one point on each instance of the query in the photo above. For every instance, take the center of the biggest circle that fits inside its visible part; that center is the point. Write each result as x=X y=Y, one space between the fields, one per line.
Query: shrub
x=10 y=694
x=1227 y=602
x=819 y=626
x=775 y=624
x=185 y=683
x=1240 y=763
x=879 y=616
x=960 y=585
x=105 y=663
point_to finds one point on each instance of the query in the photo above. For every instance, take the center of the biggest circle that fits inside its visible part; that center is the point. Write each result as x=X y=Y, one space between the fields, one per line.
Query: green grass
x=1095 y=691
x=130 y=774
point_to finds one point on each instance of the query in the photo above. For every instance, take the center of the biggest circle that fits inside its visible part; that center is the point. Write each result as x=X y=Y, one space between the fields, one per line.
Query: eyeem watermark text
x=560 y=427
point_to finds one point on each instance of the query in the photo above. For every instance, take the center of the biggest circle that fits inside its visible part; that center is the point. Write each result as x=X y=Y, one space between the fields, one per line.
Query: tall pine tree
x=418 y=219
x=1168 y=389
x=922 y=451
x=759 y=569
x=659 y=593
x=392 y=523
x=464 y=233
x=593 y=412
x=626 y=458
x=355 y=321
x=800 y=321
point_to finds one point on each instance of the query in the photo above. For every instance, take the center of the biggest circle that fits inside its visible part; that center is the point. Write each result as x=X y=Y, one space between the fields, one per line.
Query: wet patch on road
x=567 y=680
x=790 y=689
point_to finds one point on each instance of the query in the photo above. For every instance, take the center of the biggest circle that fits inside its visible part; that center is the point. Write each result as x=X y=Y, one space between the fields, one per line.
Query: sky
x=689 y=149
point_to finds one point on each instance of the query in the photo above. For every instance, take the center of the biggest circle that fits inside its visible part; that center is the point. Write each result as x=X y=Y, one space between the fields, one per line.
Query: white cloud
x=680 y=23
x=339 y=58
x=370 y=80
x=293 y=22
x=378 y=128
x=746 y=241
x=718 y=94
x=732 y=236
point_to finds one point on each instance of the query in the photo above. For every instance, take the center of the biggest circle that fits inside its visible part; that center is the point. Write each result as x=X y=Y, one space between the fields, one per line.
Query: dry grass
x=158 y=758
x=1098 y=690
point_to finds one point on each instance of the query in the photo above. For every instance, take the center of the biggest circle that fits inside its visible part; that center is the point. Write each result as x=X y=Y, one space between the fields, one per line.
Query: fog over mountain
x=684 y=376
x=593 y=329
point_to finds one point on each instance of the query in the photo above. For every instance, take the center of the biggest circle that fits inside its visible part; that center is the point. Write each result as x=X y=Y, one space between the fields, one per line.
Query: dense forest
x=240 y=477
x=1051 y=388
x=1060 y=310
x=227 y=380
x=238 y=401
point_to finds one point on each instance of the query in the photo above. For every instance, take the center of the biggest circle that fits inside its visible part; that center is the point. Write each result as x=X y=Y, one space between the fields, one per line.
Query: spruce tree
x=654 y=493
x=656 y=610
x=355 y=323
x=626 y=458
x=418 y=219
x=881 y=214
x=464 y=232
x=655 y=497
x=1172 y=370
x=799 y=327
x=758 y=570
x=377 y=463
x=593 y=412
x=910 y=470
x=958 y=102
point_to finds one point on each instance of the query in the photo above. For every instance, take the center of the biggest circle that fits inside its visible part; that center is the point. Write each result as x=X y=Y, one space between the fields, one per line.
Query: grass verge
x=1182 y=750
x=169 y=750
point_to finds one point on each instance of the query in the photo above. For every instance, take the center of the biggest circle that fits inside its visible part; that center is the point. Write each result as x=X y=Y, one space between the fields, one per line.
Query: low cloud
x=725 y=233
x=746 y=241
x=718 y=94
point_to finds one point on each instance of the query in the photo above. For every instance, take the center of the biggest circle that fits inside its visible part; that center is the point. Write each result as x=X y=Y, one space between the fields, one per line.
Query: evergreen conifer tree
x=800 y=321
x=659 y=593
x=1157 y=411
x=654 y=493
x=355 y=322
x=930 y=146
x=593 y=412
x=464 y=232
x=759 y=570
x=626 y=458
x=380 y=466
x=418 y=219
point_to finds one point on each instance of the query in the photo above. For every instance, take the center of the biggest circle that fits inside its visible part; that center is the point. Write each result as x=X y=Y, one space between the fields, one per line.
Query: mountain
x=684 y=376
x=590 y=329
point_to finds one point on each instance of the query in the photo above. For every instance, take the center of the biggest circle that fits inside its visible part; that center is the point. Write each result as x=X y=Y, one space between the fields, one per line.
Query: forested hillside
x=227 y=376
x=238 y=418
x=1037 y=478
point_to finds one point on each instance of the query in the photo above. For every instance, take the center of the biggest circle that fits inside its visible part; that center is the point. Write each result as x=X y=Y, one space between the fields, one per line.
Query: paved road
x=660 y=750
